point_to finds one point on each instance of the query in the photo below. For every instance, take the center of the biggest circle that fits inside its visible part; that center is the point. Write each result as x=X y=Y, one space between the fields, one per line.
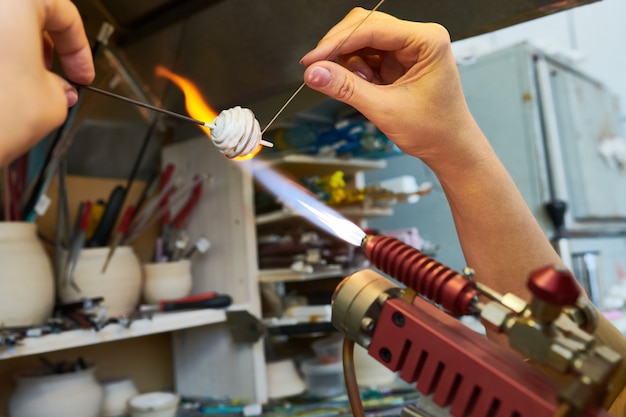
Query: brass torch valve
x=555 y=330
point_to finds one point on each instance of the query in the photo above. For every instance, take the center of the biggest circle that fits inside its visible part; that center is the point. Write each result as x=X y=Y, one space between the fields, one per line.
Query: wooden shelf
x=354 y=213
x=159 y=323
x=307 y=166
x=289 y=275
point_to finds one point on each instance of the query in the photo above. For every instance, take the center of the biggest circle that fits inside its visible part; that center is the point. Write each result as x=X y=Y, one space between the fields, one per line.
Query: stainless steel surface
x=586 y=270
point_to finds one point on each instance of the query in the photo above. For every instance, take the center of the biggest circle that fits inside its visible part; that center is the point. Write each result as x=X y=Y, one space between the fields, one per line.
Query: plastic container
x=166 y=281
x=328 y=349
x=323 y=379
x=27 y=284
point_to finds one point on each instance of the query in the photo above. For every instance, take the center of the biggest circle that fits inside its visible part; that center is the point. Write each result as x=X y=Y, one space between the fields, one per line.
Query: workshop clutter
x=27 y=282
x=71 y=388
x=351 y=136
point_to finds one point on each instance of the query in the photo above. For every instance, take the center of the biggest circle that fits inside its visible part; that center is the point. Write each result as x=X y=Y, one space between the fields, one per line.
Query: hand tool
x=167 y=186
x=151 y=107
x=202 y=245
x=149 y=216
x=63 y=232
x=109 y=217
x=182 y=240
x=119 y=236
x=78 y=241
x=169 y=229
x=97 y=210
x=140 y=104
x=117 y=199
x=199 y=301
x=147 y=191
x=166 y=178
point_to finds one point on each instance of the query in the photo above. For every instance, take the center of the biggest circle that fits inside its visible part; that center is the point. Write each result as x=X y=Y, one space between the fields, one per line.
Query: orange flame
x=195 y=104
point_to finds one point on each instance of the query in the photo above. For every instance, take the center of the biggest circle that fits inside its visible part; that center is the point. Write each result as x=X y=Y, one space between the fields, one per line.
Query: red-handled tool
x=209 y=299
x=166 y=178
x=189 y=206
x=171 y=227
x=119 y=236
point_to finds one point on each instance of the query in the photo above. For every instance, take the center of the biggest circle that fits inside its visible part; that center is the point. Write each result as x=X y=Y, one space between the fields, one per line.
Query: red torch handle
x=421 y=273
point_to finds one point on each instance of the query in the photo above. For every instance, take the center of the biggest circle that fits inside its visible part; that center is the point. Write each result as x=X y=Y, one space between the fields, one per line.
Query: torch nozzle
x=421 y=273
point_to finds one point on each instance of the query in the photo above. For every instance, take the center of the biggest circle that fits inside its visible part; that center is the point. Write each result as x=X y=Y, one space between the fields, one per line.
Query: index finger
x=63 y=23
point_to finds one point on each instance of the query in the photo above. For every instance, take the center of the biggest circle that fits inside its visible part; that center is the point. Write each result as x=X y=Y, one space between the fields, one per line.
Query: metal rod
x=142 y=104
x=290 y=99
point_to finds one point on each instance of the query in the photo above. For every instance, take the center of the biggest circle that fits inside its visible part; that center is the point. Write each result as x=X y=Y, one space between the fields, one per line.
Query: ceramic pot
x=120 y=284
x=26 y=277
x=117 y=394
x=76 y=394
x=166 y=281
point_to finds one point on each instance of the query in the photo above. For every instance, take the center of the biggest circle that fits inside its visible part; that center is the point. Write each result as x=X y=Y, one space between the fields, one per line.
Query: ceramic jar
x=26 y=277
x=120 y=284
x=76 y=394
x=166 y=281
x=117 y=394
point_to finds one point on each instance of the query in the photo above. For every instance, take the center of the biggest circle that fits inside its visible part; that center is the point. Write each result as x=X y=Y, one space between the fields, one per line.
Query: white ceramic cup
x=167 y=280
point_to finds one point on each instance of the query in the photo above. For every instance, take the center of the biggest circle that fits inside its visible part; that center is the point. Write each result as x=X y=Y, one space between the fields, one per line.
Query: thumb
x=341 y=84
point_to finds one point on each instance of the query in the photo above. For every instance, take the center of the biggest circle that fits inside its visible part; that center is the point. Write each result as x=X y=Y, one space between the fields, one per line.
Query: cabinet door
x=587 y=116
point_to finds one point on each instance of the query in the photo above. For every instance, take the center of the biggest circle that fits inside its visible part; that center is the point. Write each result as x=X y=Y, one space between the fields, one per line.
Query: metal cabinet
x=546 y=121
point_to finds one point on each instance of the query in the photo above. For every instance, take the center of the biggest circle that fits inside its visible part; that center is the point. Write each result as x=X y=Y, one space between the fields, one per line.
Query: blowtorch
x=413 y=330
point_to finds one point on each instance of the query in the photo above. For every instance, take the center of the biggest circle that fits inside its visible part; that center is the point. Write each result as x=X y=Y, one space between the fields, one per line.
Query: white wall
x=593 y=36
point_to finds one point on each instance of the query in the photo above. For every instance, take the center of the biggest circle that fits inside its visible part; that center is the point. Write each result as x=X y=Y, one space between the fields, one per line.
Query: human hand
x=34 y=99
x=401 y=75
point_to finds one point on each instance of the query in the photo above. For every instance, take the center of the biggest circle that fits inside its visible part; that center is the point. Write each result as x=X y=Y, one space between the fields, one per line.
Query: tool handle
x=128 y=214
x=207 y=300
x=166 y=178
x=189 y=206
x=86 y=214
x=113 y=207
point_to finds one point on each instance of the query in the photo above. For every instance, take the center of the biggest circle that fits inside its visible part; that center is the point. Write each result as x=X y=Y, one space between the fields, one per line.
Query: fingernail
x=360 y=74
x=71 y=96
x=319 y=76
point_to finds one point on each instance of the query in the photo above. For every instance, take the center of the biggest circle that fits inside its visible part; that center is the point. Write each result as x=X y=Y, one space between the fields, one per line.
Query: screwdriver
x=209 y=299
x=119 y=236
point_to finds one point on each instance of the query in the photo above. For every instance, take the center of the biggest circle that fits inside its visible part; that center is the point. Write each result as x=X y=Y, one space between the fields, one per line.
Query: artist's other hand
x=33 y=100
x=402 y=76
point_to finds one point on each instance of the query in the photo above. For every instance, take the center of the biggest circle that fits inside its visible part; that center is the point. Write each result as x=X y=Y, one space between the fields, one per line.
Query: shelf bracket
x=244 y=327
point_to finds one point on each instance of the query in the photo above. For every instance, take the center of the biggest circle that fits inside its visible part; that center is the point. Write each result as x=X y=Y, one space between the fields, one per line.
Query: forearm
x=500 y=238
